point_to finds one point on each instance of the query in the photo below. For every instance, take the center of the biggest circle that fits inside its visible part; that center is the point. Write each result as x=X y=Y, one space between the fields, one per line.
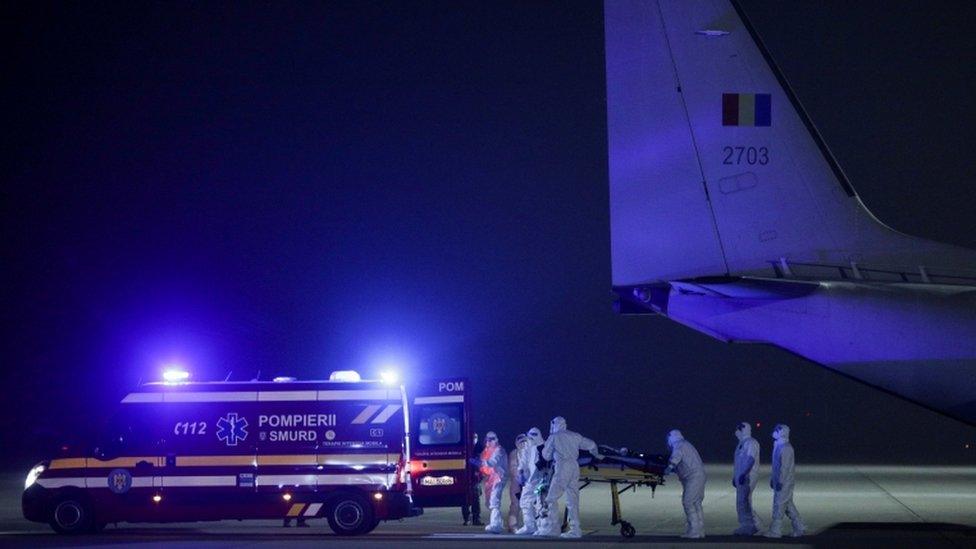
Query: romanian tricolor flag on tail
x=746 y=109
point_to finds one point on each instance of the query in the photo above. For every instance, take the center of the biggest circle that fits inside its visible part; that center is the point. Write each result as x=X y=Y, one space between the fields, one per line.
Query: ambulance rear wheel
x=351 y=515
x=71 y=515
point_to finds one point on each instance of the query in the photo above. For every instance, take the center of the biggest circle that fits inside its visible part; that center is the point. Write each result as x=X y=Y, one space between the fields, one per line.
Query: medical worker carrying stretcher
x=563 y=448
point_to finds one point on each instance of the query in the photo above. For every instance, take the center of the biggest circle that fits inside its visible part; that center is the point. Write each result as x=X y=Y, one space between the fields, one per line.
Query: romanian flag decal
x=746 y=109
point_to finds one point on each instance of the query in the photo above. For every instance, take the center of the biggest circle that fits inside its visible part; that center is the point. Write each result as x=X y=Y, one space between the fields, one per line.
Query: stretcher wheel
x=627 y=529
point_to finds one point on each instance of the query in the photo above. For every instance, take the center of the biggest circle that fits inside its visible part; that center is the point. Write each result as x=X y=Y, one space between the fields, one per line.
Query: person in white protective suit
x=493 y=464
x=745 y=475
x=533 y=477
x=686 y=462
x=781 y=482
x=563 y=449
x=515 y=482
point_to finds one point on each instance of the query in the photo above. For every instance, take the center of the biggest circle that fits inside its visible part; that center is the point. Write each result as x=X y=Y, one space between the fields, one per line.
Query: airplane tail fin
x=715 y=169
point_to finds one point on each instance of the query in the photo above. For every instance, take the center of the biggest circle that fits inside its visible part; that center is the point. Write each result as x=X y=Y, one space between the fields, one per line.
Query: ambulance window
x=114 y=435
x=125 y=432
x=440 y=424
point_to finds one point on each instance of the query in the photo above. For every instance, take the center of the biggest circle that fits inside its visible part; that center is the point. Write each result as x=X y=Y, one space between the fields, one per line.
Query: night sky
x=297 y=188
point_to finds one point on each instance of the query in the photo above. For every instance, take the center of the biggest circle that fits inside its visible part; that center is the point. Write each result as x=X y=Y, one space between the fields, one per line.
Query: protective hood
x=782 y=432
x=535 y=436
x=491 y=439
x=743 y=430
x=558 y=424
x=673 y=437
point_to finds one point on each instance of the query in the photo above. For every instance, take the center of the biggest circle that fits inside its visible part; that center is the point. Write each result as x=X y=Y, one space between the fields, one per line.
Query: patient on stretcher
x=650 y=463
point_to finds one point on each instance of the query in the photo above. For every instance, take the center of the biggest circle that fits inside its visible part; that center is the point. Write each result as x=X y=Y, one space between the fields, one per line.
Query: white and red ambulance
x=352 y=451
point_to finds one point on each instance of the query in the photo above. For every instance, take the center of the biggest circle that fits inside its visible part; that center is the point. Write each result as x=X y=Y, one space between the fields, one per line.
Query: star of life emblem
x=231 y=429
x=440 y=425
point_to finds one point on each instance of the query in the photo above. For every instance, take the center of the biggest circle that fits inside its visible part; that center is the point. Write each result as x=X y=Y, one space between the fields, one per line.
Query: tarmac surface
x=842 y=505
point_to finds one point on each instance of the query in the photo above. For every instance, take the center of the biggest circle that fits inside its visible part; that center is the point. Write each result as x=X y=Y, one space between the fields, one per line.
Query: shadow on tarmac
x=895 y=534
x=847 y=534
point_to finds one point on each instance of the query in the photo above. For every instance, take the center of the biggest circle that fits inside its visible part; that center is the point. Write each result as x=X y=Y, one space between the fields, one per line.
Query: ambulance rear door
x=440 y=442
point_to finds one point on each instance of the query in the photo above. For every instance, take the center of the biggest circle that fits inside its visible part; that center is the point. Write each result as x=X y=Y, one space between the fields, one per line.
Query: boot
x=573 y=532
x=775 y=529
x=757 y=522
x=547 y=527
x=696 y=525
x=528 y=520
x=495 y=523
x=748 y=530
x=688 y=527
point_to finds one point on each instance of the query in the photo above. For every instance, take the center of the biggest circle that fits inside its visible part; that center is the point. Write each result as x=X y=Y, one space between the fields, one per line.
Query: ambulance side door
x=441 y=443
x=128 y=460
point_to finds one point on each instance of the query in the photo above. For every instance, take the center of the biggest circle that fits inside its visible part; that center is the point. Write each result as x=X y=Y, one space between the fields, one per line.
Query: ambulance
x=352 y=451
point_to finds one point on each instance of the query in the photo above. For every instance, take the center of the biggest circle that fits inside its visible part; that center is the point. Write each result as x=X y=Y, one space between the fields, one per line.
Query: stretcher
x=623 y=470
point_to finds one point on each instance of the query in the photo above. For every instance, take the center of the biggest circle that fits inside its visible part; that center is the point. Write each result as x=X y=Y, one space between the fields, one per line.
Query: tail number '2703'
x=746 y=155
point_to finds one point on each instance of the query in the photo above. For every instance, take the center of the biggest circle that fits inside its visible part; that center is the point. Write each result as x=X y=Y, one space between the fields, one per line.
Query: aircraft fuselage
x=914 y=340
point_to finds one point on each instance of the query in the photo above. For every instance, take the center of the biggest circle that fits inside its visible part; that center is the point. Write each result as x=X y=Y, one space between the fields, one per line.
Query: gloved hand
x=475 y=462
x=744 y=480
x=597 y=455
x=777 y=486
x=522 y=478
x=669 y=470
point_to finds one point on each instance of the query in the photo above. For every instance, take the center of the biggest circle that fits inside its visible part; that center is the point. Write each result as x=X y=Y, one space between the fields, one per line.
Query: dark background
x=295 y=188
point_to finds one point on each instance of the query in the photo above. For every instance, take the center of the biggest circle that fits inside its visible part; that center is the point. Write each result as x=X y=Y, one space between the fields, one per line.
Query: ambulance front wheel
x=71 y=515
x=351 y=515
x=627 y=530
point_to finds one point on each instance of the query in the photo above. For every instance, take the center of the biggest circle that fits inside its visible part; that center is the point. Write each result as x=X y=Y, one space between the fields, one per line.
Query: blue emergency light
x=174 y=375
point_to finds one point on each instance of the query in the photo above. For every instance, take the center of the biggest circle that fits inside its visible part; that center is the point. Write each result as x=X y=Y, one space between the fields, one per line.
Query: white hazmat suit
x=563 y=448
x=515 y=481
x=494 y=465
x=782 y=481
x=686 y=462
x=533 y=477
x=745 y=475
